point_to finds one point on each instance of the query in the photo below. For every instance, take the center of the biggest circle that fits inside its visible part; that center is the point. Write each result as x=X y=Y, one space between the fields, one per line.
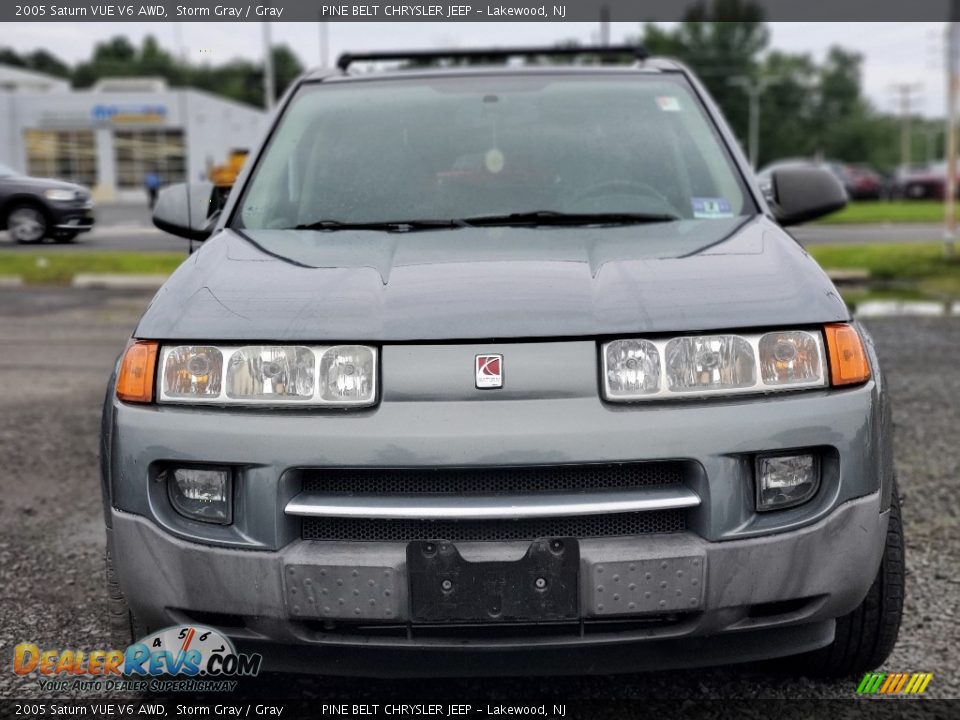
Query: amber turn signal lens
x=848 y=359
x=135 y=379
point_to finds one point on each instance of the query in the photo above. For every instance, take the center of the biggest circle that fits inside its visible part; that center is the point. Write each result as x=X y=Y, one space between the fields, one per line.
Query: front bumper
x=768 y=584
x=741 y=600
x=77 y=217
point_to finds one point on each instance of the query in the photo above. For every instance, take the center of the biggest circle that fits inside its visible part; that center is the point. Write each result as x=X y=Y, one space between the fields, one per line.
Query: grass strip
x=58 y=267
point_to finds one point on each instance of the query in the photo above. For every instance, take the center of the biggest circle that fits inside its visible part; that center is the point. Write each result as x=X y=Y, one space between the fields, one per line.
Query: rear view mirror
x=799 y=194
x=189 y=210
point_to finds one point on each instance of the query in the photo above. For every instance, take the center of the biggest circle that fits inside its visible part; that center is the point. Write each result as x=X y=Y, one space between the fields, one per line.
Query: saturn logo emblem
x=489 y=371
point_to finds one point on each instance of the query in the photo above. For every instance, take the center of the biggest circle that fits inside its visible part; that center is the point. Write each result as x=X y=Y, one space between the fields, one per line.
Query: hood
x=25 y=182
x=492 y=283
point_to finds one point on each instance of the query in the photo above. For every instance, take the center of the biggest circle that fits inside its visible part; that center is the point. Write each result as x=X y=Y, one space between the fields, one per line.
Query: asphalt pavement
x=129 y=227
x=57 y=347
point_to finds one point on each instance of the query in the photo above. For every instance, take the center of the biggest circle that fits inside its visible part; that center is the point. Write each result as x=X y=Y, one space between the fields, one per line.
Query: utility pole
x=324 y=43
x=754 y=88
x=604 y=25
x=906 y=91
x=178 y=41
x=953 y=85
x=269 y=94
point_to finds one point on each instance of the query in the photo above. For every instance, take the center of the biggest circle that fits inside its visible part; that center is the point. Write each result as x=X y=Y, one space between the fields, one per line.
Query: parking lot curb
x=112 y=281
x=10 y=281
x=848 y=276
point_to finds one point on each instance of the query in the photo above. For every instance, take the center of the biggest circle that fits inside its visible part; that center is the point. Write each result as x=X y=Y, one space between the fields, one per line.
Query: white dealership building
x=110 y=136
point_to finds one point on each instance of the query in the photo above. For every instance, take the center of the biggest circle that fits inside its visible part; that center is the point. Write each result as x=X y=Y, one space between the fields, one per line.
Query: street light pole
x=324 y=43
x=953 y=81
x=754 y=89
x=906 y=91
x=269 y=94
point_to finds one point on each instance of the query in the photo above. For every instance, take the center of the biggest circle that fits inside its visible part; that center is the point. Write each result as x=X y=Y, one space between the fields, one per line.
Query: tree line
x=238 y=79
x=808 y=108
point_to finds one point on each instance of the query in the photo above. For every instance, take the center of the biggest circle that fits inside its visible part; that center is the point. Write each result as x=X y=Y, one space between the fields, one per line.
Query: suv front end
x=584 y=441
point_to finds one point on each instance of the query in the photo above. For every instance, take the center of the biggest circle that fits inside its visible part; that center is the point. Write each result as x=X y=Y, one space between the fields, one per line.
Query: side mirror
x=189 y=210
x=799 y=194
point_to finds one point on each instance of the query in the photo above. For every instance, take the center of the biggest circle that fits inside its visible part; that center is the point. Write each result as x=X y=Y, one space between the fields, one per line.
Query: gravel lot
x=56 y=349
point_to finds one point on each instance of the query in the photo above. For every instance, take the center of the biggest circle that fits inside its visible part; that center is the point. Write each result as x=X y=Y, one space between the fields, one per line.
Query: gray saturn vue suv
x=503 y=369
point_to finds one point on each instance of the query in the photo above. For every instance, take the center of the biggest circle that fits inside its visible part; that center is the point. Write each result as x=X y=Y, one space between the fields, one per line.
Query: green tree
x=286 y=68
x=719 y=41
x=10 y=57
x=786 y=109
x=46 y=62
x=39 y=60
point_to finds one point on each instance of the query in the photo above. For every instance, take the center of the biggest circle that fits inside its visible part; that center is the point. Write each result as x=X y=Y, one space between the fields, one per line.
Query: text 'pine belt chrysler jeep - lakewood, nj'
x=504 y=369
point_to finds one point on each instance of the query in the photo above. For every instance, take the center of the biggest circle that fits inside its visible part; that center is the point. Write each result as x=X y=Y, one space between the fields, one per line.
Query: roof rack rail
x=636 y=51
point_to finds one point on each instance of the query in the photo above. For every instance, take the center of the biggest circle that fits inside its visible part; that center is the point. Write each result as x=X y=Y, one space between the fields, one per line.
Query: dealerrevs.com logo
x=183 y=657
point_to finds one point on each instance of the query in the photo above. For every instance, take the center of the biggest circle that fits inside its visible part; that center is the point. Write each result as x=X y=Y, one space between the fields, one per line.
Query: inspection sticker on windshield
x=668 y=103
x=711 y=208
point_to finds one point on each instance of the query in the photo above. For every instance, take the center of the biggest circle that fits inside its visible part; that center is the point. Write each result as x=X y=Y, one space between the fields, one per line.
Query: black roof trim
x=636 y=51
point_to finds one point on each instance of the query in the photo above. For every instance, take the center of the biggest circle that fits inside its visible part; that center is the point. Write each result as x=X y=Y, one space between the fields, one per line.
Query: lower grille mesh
x=586 y=526
x=491 y=480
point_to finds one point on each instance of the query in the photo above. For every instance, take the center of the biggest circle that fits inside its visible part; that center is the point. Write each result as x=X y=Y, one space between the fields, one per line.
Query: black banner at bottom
x=193 y=707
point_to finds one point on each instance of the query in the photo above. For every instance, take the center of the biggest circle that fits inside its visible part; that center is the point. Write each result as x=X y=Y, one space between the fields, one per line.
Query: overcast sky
x=894 y=53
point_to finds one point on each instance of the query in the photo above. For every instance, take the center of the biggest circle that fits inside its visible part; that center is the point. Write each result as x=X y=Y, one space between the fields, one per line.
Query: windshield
x=6 y=171
x=457 y=148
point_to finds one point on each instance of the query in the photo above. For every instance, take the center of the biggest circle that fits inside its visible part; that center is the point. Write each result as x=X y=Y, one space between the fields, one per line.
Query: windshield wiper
x=385 y=225
x=536 y=217
x=554 y=217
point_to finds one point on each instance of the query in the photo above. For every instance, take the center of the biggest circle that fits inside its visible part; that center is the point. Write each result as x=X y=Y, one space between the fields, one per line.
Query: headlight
x=632 y=368
x=60 y=195
x=710 y=362
x=192 y=371
x=790 y=358
x=718 y=364
x=347 y=375
x=265 y=372
x=342 y=375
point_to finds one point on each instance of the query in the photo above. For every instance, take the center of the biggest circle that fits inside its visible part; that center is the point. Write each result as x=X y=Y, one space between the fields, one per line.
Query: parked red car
x=921 y=182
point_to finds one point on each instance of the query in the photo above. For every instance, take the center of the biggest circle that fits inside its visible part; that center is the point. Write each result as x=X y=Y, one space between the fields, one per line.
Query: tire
x=27 y=223
x=65 y=236
x=122 y=626
x=865 y=638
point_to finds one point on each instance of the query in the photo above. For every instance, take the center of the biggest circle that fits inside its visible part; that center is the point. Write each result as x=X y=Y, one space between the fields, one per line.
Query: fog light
x=201 y=494
x=786 y=480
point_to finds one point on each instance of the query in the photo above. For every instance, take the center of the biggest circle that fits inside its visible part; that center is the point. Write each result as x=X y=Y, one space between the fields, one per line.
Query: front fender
x=882 y=420
x=106 y=444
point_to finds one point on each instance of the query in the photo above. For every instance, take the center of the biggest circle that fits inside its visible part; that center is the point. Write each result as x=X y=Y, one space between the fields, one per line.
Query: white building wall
x=11 y=153
x=212 y=126
x=215 y=126
x=15 y=79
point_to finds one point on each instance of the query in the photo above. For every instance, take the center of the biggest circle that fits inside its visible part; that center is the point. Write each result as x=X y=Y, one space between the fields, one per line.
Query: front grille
x=322 y=629
x=584 y=526
x=517 y=480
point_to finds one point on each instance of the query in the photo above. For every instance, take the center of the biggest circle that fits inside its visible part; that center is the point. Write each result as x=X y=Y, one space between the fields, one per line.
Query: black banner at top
x=460 y=10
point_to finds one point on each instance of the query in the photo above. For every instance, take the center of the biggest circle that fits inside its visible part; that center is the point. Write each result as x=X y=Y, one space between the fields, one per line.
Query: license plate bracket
x=541 y=586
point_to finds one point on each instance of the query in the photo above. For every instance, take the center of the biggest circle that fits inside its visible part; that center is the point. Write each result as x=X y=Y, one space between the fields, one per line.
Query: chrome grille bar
x=489 y=507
